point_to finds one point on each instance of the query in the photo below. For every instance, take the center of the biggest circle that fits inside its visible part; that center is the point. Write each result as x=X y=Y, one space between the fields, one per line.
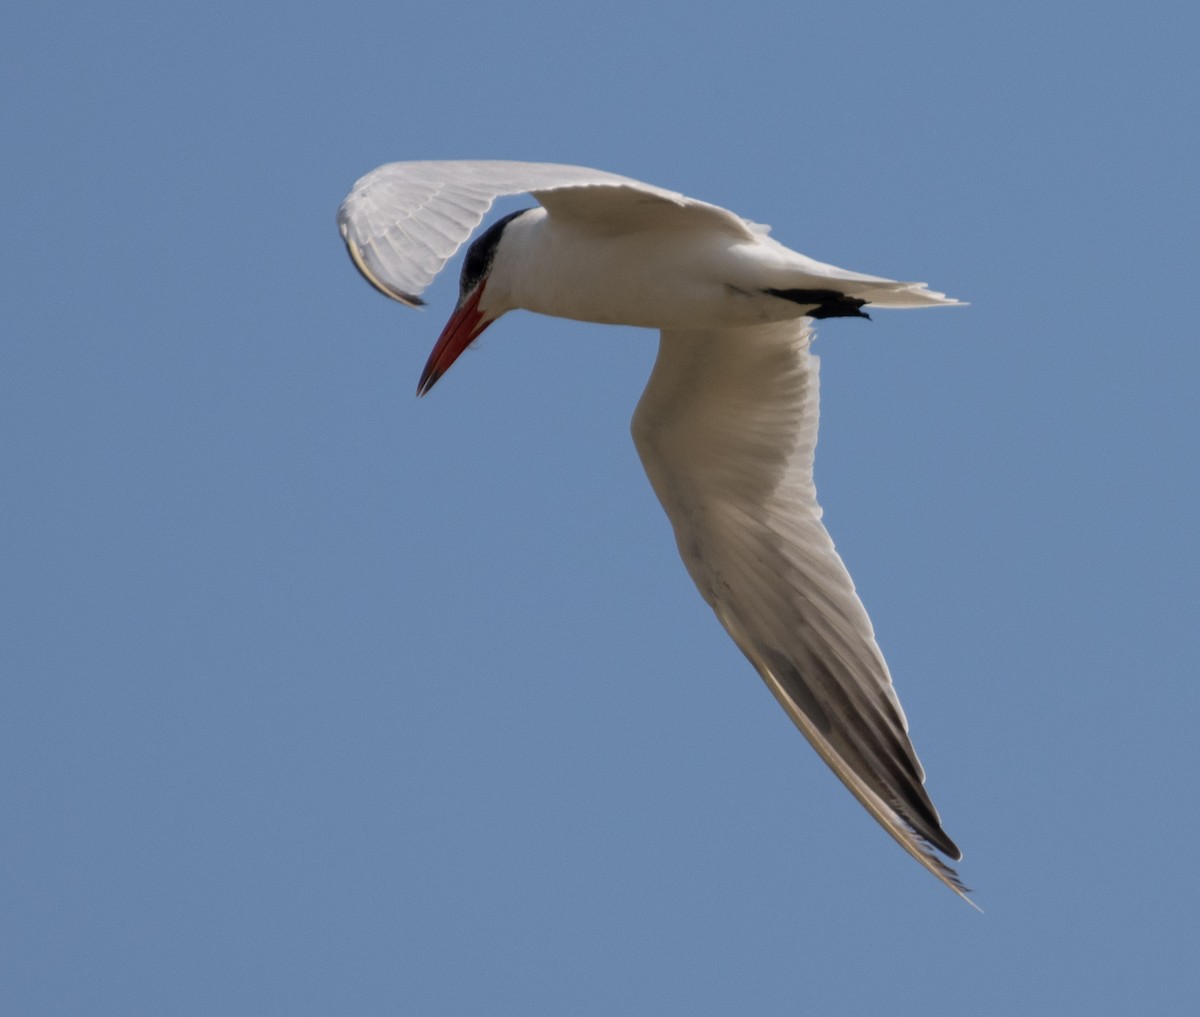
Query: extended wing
x=726 y=431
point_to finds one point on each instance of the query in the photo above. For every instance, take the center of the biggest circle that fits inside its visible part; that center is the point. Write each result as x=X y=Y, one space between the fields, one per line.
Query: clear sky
x=319 y=699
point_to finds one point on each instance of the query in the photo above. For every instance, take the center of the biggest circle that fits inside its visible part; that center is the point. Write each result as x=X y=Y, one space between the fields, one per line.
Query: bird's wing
x=726 y=431
x=402 y=222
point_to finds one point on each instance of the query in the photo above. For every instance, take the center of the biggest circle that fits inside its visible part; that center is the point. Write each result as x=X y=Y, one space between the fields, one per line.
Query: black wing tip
x=931 y=855
x=916 y=811
x=931 y=852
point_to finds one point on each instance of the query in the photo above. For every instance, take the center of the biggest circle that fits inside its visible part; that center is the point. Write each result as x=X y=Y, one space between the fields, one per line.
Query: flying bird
x=726 y=427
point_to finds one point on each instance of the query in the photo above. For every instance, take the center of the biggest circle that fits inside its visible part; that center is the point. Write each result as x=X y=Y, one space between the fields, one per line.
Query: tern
x=725 y=429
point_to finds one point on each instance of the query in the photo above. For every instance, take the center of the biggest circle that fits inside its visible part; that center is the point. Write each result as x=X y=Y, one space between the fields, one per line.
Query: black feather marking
x=828 y=303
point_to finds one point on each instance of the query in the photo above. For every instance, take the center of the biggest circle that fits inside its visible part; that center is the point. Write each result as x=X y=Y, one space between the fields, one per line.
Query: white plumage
x=726 y=427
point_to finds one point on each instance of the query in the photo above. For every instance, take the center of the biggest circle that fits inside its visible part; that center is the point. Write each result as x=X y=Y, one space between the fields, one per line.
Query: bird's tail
x=900 y=294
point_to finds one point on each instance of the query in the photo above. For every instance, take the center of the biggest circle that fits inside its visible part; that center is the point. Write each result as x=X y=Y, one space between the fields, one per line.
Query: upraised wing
x=403 y=221
x=726 y=430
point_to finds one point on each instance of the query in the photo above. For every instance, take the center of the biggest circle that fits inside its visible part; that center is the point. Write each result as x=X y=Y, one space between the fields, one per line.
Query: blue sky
x=320 y=699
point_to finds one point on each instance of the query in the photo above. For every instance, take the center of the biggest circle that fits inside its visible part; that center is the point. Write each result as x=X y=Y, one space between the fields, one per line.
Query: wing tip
x=364 y=269
x=925 y=851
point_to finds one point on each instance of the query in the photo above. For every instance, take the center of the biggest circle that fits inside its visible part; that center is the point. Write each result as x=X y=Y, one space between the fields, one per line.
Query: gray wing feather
x=726 y=430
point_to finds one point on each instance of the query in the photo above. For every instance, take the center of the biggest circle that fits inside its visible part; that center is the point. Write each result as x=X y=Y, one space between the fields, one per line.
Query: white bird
x=725 y=428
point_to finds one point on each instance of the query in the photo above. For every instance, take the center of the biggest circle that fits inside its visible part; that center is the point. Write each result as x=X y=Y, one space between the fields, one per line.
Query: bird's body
x=726 y=427
x=682 y=277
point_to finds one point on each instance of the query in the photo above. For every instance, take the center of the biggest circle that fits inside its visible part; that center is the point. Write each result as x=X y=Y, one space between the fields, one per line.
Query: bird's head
x=472 y=314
